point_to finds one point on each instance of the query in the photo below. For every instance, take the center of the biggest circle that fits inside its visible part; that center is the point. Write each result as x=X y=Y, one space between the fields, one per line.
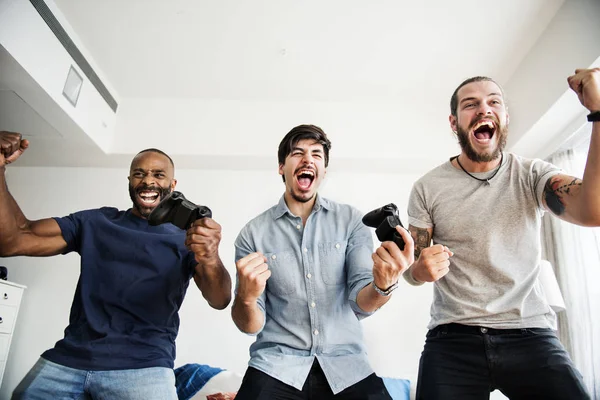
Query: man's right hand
x=11 y=147
x=433 y=264
x=253 y=273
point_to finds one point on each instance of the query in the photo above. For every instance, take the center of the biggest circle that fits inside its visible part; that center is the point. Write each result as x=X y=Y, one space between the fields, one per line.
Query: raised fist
x=11 y=147
x=253 y=273
x=433 y=263
x=586 y=83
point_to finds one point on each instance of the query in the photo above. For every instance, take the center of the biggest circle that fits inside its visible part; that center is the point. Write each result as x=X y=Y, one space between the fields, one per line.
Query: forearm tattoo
x=556 y=191
x=422 y=240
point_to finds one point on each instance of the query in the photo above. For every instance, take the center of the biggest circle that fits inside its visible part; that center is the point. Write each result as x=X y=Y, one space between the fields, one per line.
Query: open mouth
x=148 y=198
x=305 y=178
x=484 y=130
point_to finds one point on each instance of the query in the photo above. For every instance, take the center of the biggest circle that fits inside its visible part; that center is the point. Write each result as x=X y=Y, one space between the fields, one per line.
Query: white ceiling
x=336 y=50
x=226 y=80
x=18 y=116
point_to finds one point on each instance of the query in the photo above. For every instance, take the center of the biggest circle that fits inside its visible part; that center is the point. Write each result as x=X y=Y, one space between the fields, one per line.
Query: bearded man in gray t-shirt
x=491 y=326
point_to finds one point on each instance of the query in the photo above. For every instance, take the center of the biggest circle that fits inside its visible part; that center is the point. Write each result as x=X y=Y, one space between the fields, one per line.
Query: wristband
x=385 y=292
x=594 y=116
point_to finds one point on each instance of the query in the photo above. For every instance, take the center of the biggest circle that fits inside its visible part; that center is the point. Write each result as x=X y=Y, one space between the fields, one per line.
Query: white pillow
x=224 y=381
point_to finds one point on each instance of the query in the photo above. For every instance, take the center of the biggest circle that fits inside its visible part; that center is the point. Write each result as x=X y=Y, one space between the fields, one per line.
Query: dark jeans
x=257 y=385
x=468 y=362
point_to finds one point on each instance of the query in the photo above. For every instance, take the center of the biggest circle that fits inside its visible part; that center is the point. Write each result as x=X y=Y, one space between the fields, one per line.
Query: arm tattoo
x=555 y=193
x=422 y=240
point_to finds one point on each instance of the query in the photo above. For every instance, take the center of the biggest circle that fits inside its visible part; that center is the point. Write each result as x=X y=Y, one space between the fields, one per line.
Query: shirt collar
x=282 y=208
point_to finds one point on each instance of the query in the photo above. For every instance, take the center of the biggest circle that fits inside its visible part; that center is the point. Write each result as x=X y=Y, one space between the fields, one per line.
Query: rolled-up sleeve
x=359 y=262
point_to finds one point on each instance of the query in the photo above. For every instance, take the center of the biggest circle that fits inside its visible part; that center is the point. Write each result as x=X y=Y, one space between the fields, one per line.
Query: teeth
x=306 y=172
x=148 y=196
x=481 y=123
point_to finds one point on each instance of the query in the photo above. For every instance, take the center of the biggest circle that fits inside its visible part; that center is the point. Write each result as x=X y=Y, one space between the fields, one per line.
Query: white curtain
x=575 y=255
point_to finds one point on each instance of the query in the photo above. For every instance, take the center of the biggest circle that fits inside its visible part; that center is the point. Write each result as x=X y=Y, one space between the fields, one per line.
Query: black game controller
x=385 y=220
x=175 y=208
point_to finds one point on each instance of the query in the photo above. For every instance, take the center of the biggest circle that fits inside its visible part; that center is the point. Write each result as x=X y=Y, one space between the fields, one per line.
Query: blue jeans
x=468 y=362
x=48 y=380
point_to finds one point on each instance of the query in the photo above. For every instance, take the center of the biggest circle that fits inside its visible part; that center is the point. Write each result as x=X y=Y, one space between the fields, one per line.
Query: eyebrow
x=475 y=98
x=150 y=170
x=317 y=150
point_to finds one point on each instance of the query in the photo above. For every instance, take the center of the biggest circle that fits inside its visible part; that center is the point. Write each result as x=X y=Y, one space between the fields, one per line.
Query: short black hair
x=302 y=132
x=454 y=98
x=153 y=150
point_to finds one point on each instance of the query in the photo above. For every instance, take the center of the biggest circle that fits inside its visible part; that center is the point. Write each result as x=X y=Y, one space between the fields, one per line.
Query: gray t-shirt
x=494 y=231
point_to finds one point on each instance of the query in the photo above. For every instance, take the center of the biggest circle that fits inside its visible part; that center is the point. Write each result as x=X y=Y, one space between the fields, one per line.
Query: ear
x=507 y=117
x=173 y=183
x=453 y=123
x=281 y=169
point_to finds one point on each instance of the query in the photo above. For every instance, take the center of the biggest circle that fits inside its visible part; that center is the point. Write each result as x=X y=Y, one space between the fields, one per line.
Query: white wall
x=394 y=335
x=388 y=122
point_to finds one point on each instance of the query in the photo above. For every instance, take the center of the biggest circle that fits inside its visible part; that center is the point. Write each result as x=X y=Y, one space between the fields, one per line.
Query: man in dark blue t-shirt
x=120 y=341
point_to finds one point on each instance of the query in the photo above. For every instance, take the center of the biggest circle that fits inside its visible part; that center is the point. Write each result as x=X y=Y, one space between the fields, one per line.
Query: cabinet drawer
x=10 y=295
x=4 y=339
x=7 y=318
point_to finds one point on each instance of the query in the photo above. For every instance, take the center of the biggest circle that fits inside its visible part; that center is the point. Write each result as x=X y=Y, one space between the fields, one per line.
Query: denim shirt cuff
x=360 y=313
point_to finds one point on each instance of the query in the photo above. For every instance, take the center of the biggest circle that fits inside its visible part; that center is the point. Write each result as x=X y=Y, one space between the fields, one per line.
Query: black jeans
x=468 y=362
x=257 y=385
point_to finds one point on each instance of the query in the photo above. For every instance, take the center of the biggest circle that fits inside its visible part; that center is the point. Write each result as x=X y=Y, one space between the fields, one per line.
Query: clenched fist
x=433 y=263
x=203 y=239
x=11 y=147
x=253 y=273
x=586 y=83
x=389 y=262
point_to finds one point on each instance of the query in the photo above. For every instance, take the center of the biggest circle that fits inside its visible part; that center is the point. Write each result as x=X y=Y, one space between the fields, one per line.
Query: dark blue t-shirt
x=133 y=280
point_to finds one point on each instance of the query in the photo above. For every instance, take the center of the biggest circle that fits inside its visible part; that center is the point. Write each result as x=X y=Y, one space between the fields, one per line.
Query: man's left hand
x=203 y=239
x=389 y=261
x=586 y=83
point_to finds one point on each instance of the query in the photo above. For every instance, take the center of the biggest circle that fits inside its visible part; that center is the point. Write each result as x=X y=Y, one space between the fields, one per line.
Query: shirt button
x=337 y=245
x=483 y=330
x=273 y=256
x=308 y=276
x=298 y=226
x=316 y=332
x=313 y=304
x=305 y=250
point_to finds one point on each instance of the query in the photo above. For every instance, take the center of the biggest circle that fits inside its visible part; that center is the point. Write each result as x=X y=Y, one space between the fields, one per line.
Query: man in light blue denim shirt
x=306 y=275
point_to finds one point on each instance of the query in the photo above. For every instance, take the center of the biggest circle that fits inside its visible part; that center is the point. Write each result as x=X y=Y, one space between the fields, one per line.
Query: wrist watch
x=594 y=116
x=385 y=292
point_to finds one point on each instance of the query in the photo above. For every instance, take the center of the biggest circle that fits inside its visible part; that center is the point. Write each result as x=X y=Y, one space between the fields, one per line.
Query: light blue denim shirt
x=310 y=304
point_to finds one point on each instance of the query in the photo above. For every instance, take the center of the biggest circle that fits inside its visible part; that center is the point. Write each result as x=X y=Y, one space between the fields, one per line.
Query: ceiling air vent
x=74 y=52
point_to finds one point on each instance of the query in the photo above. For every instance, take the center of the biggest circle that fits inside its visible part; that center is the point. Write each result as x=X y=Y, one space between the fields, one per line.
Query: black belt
x=478 y=330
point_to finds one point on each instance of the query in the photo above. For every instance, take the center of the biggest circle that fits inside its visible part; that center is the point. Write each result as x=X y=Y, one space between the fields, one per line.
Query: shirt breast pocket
x=285 y=272
x=332 y=260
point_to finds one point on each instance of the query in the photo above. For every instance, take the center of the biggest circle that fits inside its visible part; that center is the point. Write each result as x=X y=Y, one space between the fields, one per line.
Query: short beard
x=145 y=211
x=302 y=199
x=471 y=153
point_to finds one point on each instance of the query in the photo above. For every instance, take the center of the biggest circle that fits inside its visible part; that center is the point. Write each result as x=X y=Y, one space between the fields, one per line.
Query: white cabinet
x=10 y=299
